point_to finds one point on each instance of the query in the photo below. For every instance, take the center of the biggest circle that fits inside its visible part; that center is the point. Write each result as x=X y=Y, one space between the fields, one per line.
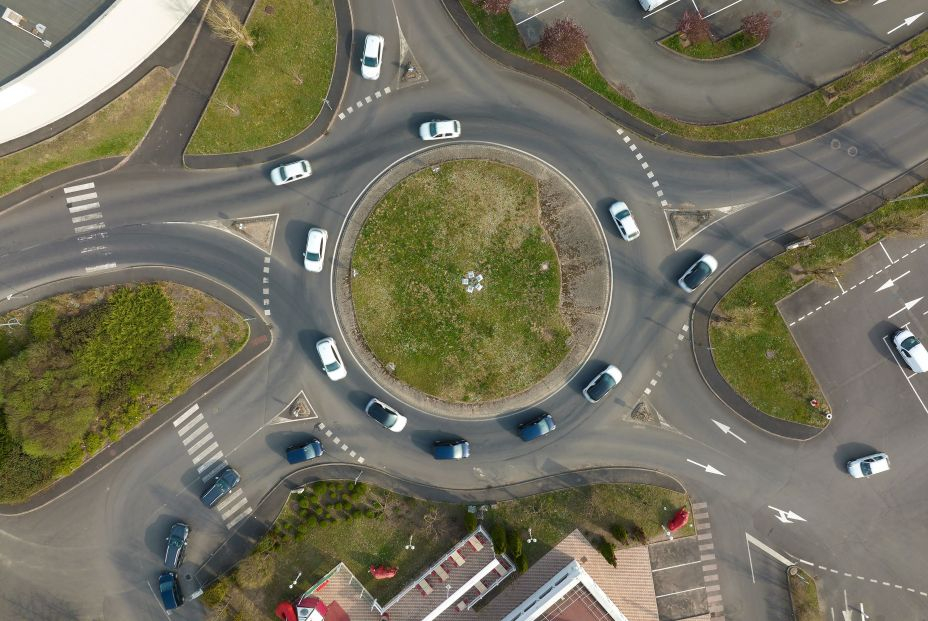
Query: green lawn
x=411 y=308
x=782 y=386
x=274 y=92
x=86 y=367
x=115 y=129
x=361 y=526
x=804 y=596
x=781 y=120
x=738 y=42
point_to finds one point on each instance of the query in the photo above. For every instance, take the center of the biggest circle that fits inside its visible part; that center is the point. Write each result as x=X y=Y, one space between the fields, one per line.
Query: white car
x=385 y=415
x=911 y=350
x=331 y=361
x=315 y=249
x=698 y=273
x=624 y=219
x=864 y=467
x=293 y=171
x=438 y=130
x=602 y=384
x=373 y=55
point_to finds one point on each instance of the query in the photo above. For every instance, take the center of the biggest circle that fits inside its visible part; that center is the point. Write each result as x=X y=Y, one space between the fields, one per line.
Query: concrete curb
x=699 y=320
x=260 y=339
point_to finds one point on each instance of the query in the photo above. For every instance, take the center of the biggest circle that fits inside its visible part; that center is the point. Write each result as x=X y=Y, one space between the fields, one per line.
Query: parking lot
x=678 y=579
x=844 y=329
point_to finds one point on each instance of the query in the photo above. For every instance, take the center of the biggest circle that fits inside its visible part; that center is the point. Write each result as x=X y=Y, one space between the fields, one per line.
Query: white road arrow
x=892 y=281
x=878 y=2
x=846 y=613
x=727 y=430
x=787 y=517
x=908 y=21
x=708 y=468
x=907 y=306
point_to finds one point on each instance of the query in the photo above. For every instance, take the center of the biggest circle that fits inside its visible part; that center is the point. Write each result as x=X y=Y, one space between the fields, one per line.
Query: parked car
x=304 y=452
x=451 y=449
x=222 y=486
x=605 y=381
x=869 y=465
x=537 y=427
x=293 y=171
x=331 y=360
x=170 y=590
x=438 y=130
x=177 y=544
x=372 y=57
x=911 y=350
x=315 y=249
x=624 y=220
x=385 y=415
x=698 y=273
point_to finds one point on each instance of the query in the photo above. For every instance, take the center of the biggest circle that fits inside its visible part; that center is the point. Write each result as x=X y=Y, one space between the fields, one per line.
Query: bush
x=757 y=25
x=41 y=323
x=216 y=593
x=470 y=521
x=618 y=531
x=93 y=442
x=255 y=571
x=498 y=534
x=521 y=563
x=183 y=354
x=607 y=549
x=74 y=331
x=370 y=514
x=696 y=29
x=494 y=7
x=514 y=543
x=636 y=533
x=563 y=42
x=312 y=521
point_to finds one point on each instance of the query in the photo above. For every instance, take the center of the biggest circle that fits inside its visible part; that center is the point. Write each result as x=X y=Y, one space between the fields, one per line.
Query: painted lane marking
x=80 y=198
x=196 y=432
x=212 y=447
x=97 y=268
x=79 y=208
x=90 y=227
x=707 y=467
x=190 y=411
x=85 y=218
x=78 y=188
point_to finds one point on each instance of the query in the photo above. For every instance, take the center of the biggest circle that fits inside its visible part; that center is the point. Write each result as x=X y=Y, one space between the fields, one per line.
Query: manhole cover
x=852 y=151
x=835 y=143
x=770 y=354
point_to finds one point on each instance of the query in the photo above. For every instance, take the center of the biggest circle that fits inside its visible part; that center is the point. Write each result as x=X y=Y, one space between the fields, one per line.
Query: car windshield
x=312 y=256
x=175 y=541
x=333 y=366
x=865 y=468
x=909 y=343
x=700 y=272
x=433 y=128
x=383 y=416
x=622 y=214
x=370 y=61
x=167 y=586
x=604 y=384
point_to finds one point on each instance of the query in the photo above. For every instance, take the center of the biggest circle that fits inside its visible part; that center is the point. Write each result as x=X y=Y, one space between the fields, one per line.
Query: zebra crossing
x=208 y=459
x=87 y=218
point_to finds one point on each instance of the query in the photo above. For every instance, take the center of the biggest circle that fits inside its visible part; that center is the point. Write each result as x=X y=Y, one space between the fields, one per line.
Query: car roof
x=371 y=41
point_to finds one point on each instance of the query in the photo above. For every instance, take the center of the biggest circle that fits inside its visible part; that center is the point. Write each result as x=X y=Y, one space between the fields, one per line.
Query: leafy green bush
x=93 y=442
x=514 y=542
x=470 y=521
x=216 y=593
x=607 y=549
x=618 y=531
x=41 y=323
x=521 y=563
x=498 y=534
x=74 y=331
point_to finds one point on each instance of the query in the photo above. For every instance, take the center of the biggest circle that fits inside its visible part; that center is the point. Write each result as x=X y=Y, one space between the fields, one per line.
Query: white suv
x=864 y=467
x=373 y=56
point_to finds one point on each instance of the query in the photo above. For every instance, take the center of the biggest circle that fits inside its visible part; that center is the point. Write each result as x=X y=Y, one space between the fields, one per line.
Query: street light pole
x=292 y=584
x=358 y=477
x=530 y=538
x=409 y=545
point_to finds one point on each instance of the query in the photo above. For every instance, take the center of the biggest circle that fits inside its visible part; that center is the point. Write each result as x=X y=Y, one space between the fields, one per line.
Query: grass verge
x=274 y=92
x=115 y=129
x=780 y=120
x=412 y=308
x=710 y=50
x=363 y=526
x=84 y=368
x=804 y=596
x=783 y=384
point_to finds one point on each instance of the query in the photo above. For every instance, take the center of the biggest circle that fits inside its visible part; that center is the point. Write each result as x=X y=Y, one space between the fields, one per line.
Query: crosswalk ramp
x=87 y=219
x=203 y=449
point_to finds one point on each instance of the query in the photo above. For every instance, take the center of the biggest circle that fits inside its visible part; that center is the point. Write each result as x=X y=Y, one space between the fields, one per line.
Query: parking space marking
x=679 y=592
x=667 y=6
x=887 y=254
x=674 y=566
x=540 y=12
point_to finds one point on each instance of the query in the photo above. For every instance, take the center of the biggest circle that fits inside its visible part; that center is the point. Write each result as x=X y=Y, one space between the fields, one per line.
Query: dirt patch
x=686 y=222
x=258 y=229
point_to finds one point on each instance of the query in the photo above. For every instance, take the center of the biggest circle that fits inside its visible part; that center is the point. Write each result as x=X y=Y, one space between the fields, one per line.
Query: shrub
x=303 y=502
x=74 y=331
x=41 y=323
x=370 y=514
x=636 y=533
x=563 y=42
x=521 y=563
x=216 y=593
x=514 y=542
x=607 y=549
x=470 y=521
x=495 y=7
x=757 y=25
x=696 y=29
x=183 y=354
x=312 y=521
x=70 y=460
x=255 y=571
x=93 y=442
x=618 y=531
x=498 y=534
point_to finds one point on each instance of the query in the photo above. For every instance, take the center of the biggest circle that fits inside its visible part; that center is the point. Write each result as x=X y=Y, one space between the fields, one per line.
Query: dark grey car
x=451 y=449
x=537 y=427
x=177 y=544
x=223 y=484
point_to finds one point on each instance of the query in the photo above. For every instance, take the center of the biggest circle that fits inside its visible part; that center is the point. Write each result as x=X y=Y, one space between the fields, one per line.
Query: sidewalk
x=111 y=48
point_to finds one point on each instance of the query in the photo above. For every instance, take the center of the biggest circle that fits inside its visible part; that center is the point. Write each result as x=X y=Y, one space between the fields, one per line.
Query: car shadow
x=850 y=451
x=881 y=338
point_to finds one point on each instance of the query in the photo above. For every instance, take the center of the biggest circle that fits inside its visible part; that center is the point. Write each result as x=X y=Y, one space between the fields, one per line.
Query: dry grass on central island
x=411 y=308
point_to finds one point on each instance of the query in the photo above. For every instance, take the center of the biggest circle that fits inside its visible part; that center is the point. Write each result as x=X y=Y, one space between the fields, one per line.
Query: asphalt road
x=94 y=552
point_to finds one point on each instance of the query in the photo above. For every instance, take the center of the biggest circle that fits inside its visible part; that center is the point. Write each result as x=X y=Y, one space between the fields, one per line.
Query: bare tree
x=387 y=503
x=563 y=42
x=295 y=74
x=696 y=29
x=757 y=25
x=226 y=25
x=495 y=7
x=433 y=523
x=231 y=107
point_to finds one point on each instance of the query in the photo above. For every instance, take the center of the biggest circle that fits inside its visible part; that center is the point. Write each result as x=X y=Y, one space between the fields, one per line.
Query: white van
x=650 y=5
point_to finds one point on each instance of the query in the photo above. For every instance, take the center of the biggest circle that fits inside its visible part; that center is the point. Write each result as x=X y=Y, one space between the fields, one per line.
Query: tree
x=563 y=42
x=498 y=534
x=495 y=7
x=757 y=25
x=470 y=521
x=694 y=27
x=226 y=25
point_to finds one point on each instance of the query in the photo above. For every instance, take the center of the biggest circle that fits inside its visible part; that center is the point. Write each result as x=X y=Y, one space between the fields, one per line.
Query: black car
x=177 y=543
x=224 y=483
x=170 y=590
x=304 y=452
x=451 y=449
x=537 y=427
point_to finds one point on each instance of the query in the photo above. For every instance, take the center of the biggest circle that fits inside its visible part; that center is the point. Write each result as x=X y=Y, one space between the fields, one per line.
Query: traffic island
x=803 y=595
x=472 y=279
x=732 y=45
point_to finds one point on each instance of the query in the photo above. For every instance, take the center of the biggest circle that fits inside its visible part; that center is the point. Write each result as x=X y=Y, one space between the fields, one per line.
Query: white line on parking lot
x=839 y=285
x=722 y=9
x=679 y=592
x=887 y=253
x=675 y=566
x=540 y=12
x=666 y=6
